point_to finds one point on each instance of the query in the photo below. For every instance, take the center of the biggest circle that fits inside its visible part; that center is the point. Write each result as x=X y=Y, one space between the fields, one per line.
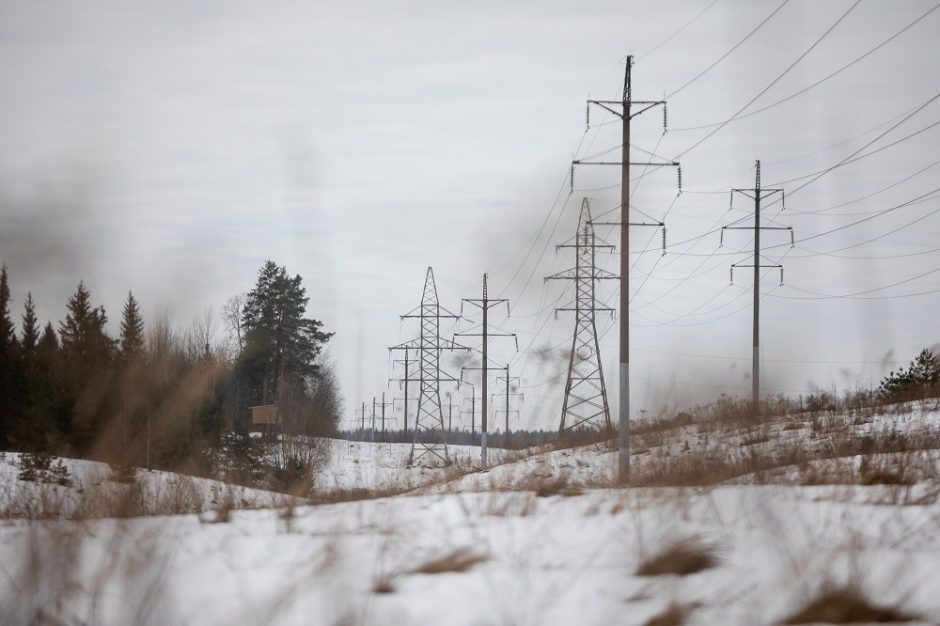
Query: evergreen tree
x=86 y=371
x=48 y=345
x=919 y=381
x=30 y=331
x=280 y=343
x=132 y=329
x=84 y=341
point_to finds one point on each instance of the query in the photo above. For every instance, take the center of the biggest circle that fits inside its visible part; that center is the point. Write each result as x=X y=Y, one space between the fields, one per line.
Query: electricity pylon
x=757 y=194
x=585 y=405
x=429 y=420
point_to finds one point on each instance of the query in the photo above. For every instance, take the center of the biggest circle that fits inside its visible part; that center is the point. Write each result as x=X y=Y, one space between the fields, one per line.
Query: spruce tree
x=30 y=332
x=84 y=341
x=132 y=329
x=86 y=369
x=48 y=346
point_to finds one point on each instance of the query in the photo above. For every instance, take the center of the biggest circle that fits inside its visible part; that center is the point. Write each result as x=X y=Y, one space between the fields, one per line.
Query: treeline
x=155 y=396
x=517 y=440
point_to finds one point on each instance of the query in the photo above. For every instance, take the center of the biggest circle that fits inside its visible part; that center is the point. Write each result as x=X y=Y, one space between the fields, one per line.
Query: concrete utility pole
x=484 y=304
x=373 y=419
x=757 y=194
x=450 y=413
x=384 y=404
x=362 y=424
x=508 y=379
x=473 y=410
x=626 y=114
x=406 y=362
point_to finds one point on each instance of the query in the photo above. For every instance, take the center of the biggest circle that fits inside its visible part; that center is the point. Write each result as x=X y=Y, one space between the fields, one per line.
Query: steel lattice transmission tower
x=430 y=436
x=585 y=404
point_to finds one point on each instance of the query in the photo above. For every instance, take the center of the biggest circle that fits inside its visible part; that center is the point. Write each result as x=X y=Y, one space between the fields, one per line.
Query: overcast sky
x=170 y=148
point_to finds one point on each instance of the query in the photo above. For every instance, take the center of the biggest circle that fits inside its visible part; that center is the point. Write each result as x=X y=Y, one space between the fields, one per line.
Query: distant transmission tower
x=430 y=436
x=585 y=405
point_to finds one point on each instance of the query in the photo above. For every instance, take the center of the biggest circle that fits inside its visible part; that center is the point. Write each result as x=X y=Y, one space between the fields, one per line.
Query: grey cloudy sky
x=172 y=147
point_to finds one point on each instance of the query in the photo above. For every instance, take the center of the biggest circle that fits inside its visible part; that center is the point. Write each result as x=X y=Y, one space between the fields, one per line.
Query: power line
x=772 y=83
x=676 y=33
x=735 y=47
x=821 y=80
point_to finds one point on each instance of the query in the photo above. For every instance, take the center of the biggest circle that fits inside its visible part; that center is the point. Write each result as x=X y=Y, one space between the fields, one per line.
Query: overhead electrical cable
x=772 y=83
x=728 y=53
x=821 y=80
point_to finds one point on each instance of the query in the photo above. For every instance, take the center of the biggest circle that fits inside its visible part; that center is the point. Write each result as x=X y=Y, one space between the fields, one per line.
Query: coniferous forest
x=148 y=394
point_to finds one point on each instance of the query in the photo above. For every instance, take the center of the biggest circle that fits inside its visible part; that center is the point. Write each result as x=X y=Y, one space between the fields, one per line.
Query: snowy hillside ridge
x=94 y=492
x=384 y=468
x=755 y=556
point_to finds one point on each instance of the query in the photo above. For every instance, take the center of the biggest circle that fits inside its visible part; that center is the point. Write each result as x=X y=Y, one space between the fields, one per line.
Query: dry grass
x=460 y=560
x=383 y=585
x=672 y=615
x=846 y=605
x=682 y=558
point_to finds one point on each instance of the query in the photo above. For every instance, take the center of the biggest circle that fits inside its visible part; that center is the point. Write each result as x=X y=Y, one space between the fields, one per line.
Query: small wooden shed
x=264 y=416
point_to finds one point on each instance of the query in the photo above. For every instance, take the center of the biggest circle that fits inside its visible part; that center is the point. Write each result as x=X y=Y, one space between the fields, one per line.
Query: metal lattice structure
x=429 y=432
x=585 y=405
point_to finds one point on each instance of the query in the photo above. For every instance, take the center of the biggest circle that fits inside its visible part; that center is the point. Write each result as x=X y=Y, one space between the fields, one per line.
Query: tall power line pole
x=757 y=194
x=384 y=404
x=429 y=345
x=406 y=363
x=473 y=411
x=484 y=305
x=585 y=400
x=626 y=114
x=362 y=423
x=508 y=394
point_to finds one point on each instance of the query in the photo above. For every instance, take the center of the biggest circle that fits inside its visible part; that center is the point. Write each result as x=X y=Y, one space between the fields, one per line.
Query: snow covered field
x=555 y=560
x=457 y=546
x=93 y=492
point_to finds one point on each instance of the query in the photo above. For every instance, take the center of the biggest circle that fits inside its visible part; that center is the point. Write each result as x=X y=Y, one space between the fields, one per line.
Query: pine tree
x=132 y=329
x=30 y=332
x=279 y=341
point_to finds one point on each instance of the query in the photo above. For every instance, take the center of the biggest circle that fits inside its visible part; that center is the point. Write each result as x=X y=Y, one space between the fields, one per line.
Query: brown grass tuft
x=460 y=560
x=846 y=605
x=684 y=557
x=672 y=615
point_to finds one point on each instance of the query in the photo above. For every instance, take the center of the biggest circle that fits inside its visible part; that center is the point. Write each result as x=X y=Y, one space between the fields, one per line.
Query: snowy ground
x=383 y=467
x=568 y=558
x=555 y=560
x=93 y=492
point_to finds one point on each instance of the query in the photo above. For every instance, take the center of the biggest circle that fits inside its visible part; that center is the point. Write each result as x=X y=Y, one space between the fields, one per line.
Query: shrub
x=919 y=381
x=39 y=467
